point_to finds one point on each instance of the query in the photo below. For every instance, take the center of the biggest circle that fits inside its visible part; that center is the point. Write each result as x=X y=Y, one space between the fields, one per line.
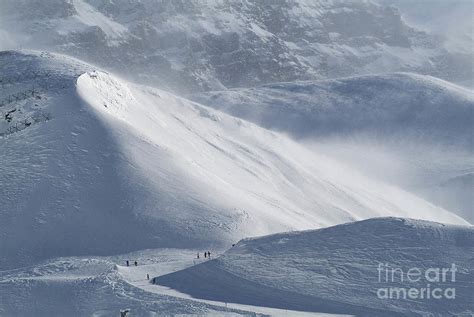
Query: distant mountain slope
x=395 y=105
x=94 y=165
x=207 y=45
x=341 y=269
x=451 y=20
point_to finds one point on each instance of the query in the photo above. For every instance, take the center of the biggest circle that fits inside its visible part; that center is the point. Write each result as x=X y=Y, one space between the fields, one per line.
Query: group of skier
x=128 y=263
x=207 y=255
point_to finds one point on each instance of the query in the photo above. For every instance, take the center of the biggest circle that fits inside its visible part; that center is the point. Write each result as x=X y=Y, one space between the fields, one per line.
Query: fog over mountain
x=209 y=45
x=452 y=20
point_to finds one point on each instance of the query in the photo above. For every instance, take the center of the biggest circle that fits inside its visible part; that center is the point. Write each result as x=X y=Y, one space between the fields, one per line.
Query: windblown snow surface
x=92 y=165
x=404 y=129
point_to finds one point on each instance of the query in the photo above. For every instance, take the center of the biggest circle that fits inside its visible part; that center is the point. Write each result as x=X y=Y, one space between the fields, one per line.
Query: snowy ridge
x=122 y=167
x=335 y=269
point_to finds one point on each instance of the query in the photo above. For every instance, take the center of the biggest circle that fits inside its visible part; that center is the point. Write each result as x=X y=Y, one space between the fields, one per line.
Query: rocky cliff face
x=210 y=45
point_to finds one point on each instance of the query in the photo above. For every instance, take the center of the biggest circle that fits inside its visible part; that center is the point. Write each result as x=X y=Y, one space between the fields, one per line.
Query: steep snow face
x=341 y=269
x=410 y=130
x=209 y=45
x=116 y=167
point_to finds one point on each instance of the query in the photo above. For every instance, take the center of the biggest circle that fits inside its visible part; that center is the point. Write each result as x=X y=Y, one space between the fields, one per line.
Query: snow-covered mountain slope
x=91 y=164
x=375 y=123
x=342 y=269
x=399 y=105
x=209 y=45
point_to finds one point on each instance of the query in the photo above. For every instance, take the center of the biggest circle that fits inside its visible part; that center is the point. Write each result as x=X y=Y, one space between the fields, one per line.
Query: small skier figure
x=128 y=264
x=205 y=254
x=198 y=255
x=147 y=276
x=123 y=313
x=209 y=254
x=136 y=263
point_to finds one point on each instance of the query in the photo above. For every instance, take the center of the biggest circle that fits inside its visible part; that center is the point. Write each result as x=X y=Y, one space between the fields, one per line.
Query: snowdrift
x=341 y=269
x=109 y=167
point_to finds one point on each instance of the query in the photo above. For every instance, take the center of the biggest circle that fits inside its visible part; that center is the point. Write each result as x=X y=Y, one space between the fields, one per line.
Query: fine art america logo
x=416 y=283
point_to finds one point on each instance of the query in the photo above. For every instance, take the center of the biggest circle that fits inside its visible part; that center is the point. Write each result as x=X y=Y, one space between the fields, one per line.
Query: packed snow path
x=94 y=286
